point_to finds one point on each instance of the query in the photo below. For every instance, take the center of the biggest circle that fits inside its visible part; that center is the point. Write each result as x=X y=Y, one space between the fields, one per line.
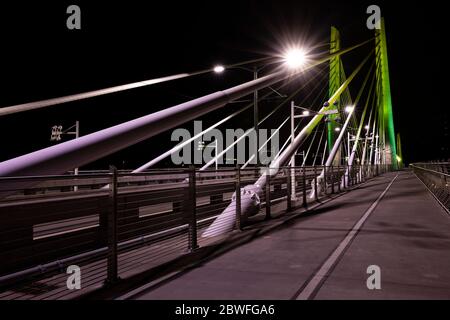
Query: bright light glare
x=367 y=127
x=295 y=58
x=219 y=69
x=306 y=113
x=337 y=129
x=349 y=109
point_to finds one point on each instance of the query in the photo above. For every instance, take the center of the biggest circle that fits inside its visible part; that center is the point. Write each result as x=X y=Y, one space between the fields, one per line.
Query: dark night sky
x=129 y=41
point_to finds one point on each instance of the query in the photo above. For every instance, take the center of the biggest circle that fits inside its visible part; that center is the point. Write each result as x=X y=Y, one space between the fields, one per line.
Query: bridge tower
x=335 y=81
x=386 y=118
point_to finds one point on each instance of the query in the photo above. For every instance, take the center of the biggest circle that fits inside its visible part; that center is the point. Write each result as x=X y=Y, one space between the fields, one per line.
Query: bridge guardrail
x=117 y=223
x=436 y=176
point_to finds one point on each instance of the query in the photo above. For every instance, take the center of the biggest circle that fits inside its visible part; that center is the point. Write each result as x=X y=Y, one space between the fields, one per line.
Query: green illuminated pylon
x=335 y=82
x=386 y=124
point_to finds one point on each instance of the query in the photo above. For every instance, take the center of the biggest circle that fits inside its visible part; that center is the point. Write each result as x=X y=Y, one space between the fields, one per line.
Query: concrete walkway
x=391 y=222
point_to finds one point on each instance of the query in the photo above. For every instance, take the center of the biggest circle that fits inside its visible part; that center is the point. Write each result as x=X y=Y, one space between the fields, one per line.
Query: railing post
x=357 y=177
x=287 y=172
x=345 y=177
x=350 y=176
x=112 y=261
x=325 y=180
x=315 y=183
x=305 y=202
x=192 y=211
x=332 y=180
x=339 y=178
x=238 y=198
x=268 y=215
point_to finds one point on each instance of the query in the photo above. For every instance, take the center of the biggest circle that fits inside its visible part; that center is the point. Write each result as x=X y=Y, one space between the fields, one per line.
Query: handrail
x=430 y=170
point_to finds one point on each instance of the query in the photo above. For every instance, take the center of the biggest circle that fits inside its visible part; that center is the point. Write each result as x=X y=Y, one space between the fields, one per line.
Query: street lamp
x=219 y=69
x=295 y=58
x=349 y=109
x=310 y=113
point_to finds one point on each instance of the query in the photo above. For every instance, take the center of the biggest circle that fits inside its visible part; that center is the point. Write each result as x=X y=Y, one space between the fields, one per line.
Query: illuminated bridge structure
x=315 y=228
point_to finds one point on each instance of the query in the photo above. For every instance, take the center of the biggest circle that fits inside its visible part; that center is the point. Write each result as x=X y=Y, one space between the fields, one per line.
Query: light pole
x=293 y=196
x=256 y=116
x=294 y=58
x=255 y=71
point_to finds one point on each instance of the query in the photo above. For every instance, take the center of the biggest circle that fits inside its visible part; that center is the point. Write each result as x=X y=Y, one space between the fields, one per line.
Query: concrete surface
x=407 y=235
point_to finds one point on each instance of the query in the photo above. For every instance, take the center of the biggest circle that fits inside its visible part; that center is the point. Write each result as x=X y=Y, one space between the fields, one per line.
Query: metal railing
x=436 y=176
x=120 y=223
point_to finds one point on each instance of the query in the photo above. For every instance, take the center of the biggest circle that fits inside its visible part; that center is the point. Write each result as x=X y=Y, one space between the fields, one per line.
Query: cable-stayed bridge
x=334 y=201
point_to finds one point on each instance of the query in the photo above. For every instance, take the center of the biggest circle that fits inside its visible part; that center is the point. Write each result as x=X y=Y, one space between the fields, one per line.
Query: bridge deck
x=324 y=255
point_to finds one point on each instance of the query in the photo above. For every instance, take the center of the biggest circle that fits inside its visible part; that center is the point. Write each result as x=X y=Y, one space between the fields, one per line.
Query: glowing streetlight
x=295 y=58
x=219 y=69
x=349 y=109
x=337 y=129
x=366 y=127
x=306 y=113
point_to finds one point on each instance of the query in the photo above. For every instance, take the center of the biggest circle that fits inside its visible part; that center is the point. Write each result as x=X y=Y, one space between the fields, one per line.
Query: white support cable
x=251 y=195
x=288 y=140
x=341 y=135
x=324 y=152
x=85 y=95
x=100 y=92
x=318 y=146
x=265 y=143
x=323 y=132
x=358 y=134
x=220 y=154
x=372 y=142
x=185 y=143
x=364 y=154
x=181 y=145
x=309 y=148
x=251 y=130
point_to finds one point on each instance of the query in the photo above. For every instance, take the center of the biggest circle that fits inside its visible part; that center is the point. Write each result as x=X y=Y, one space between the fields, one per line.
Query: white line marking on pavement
x=315 y=282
